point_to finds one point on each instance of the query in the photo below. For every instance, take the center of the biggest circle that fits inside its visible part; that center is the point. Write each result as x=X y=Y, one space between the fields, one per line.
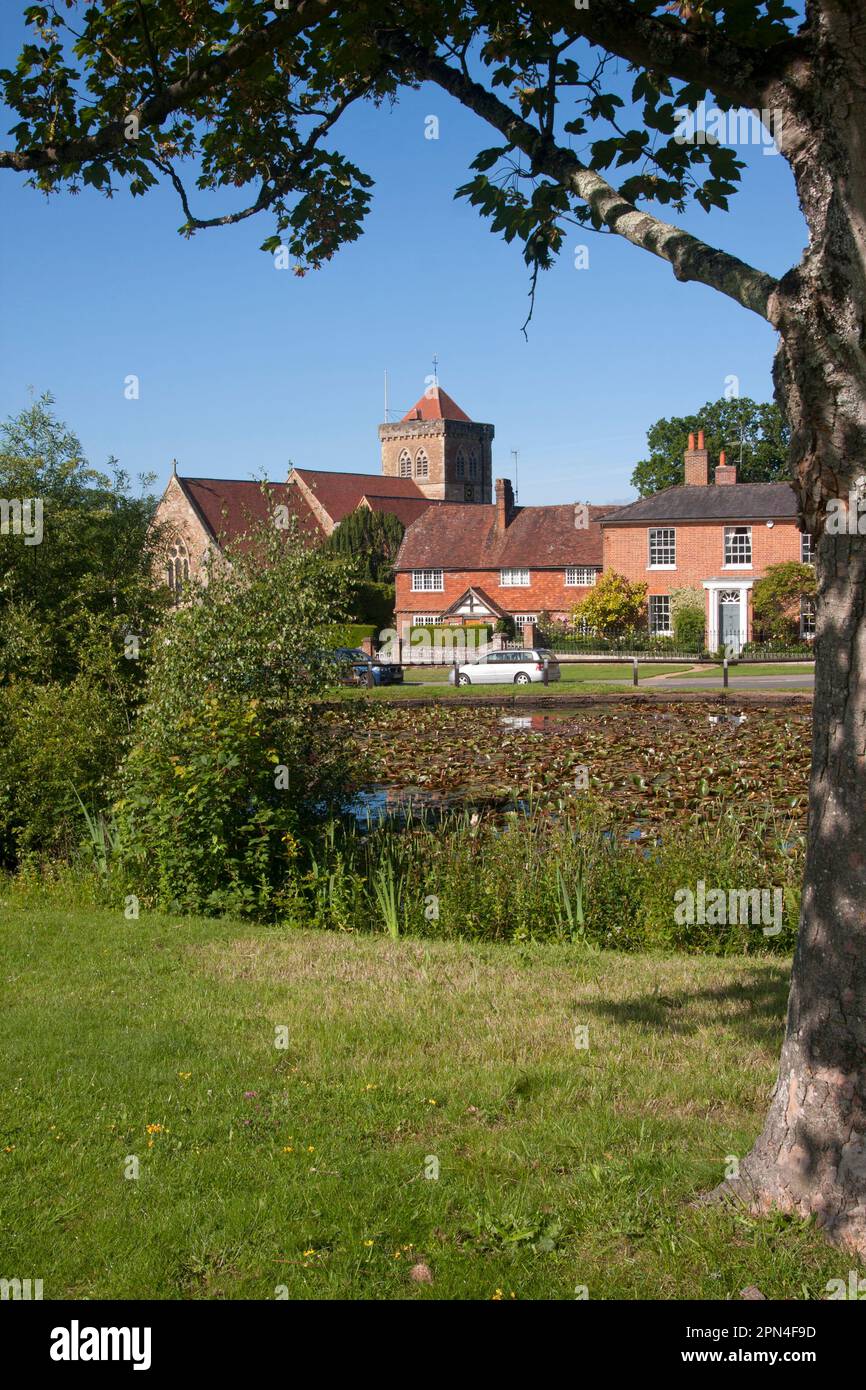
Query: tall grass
x=566 y=874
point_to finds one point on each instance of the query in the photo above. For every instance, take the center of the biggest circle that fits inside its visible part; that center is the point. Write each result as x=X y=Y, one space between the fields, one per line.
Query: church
x=435 y=455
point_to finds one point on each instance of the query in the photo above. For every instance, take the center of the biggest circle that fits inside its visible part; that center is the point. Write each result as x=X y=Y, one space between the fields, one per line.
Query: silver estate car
x=508 y=668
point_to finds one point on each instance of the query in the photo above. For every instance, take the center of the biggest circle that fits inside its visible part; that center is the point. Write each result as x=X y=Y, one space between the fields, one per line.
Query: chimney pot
x=691 y=441
x=697 y=463
x=700 y=439
x=722 y=459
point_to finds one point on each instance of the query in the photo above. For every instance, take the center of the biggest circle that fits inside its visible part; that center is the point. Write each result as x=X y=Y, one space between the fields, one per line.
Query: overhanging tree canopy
x=252 y=94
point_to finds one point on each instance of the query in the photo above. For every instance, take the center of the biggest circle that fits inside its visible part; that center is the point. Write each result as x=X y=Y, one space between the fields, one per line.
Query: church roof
x=436 y=404
x=340 y=493
x=228 y=506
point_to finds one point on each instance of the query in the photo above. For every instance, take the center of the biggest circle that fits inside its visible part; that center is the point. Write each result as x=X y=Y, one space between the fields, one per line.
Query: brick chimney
x=725 y=472
x=504 y=503
x=697 y=462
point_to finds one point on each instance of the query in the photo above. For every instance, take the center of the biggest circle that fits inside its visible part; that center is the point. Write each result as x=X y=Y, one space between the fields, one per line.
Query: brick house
x=474 y=563
x=716 y=537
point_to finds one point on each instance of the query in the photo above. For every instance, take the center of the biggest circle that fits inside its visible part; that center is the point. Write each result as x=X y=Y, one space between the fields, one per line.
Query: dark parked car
x=358 y=665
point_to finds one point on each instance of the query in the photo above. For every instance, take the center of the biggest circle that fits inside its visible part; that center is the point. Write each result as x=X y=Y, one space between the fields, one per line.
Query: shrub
x=614 y=606
x=230 y=768
x=61 y=743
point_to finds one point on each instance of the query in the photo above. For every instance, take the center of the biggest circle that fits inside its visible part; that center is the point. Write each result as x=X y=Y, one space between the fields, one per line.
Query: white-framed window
x=427 y=580
x=807 y=549
x=421 y=620
x=460 y=465
x=514 y=578
x=662 y=547
x=738 y=547
x=405 y=464
x=584 y=575
x=807 y=617
x=660 y=615
x=521 y=619
x=422 y=464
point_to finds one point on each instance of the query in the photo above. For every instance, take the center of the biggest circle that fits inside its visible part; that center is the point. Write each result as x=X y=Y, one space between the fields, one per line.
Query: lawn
x=577 y=678
x=262 y=1169
x=747 y=668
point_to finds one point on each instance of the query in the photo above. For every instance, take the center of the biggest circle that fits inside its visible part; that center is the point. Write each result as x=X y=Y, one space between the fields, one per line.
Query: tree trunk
x=810 y=1158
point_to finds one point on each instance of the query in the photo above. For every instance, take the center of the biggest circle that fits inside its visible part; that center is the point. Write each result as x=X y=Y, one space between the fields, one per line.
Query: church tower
x=447 y=455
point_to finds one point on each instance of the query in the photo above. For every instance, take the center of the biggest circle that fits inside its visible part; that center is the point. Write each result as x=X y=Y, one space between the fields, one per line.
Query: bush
x=61 y=742
x=689 y=628
x=230 y=767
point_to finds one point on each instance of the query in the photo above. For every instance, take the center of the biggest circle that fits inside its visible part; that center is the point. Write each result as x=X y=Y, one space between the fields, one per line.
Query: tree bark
x=810 y=1158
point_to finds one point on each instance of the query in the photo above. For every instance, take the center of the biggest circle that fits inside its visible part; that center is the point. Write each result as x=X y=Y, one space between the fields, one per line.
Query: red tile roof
x=229 y=507
x=340 y=493
x=407 y=509
x=463 y=536
x=436 y=404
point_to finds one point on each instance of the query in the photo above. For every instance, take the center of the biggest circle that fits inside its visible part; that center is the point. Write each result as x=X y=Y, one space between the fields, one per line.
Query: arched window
x=460 y=465
x=177 y=570
x=473 y=465
x=405 y=464
x=422 y=466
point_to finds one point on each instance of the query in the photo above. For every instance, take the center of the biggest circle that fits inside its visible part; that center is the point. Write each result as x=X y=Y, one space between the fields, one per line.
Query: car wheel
x=463 y=679
x=521 y=678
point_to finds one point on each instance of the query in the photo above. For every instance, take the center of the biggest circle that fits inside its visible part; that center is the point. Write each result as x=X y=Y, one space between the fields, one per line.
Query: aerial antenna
x=514 y=456
x=386 y=395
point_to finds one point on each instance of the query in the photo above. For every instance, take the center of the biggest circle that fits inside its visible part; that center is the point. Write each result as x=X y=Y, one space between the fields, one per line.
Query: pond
x=652 y=764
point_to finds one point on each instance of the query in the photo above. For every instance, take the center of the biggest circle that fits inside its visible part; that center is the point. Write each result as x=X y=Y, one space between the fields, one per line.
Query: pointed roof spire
x=436 y=404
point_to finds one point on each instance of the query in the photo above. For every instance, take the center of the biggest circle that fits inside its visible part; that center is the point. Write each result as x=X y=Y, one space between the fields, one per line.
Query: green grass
x=588 y=677
x=558 y=1166
x=747 y=668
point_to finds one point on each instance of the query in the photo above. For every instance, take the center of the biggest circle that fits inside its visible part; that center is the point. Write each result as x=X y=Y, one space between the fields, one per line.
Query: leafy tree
x=614 y=606
x=754 y=436
x=251 y=94
x=372 y=539
x=776 y=600
x=91 y=566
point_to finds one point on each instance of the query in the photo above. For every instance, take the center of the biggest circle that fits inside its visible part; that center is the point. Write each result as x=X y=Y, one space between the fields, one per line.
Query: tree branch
x=703 y=54
x=689 y=258
x=206 y=75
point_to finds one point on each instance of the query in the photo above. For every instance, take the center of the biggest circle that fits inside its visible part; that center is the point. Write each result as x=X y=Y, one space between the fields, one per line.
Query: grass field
x=261 y=1168
x=577 y=678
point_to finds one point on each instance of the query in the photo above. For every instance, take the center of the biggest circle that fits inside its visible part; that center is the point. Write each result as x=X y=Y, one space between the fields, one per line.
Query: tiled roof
x=340 y=493
x=229 y=506
x=407 y=509
x=436 y=405
x=464 y=536
x=728 y=502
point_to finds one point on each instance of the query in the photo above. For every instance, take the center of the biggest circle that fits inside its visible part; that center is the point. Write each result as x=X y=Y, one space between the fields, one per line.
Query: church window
x=473 y=465
x=405 y=464
x=460 y=465
x=177 y=569
x=422 y=466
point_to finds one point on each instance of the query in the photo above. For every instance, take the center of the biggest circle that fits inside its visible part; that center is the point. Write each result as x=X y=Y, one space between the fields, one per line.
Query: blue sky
x=245 y=368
